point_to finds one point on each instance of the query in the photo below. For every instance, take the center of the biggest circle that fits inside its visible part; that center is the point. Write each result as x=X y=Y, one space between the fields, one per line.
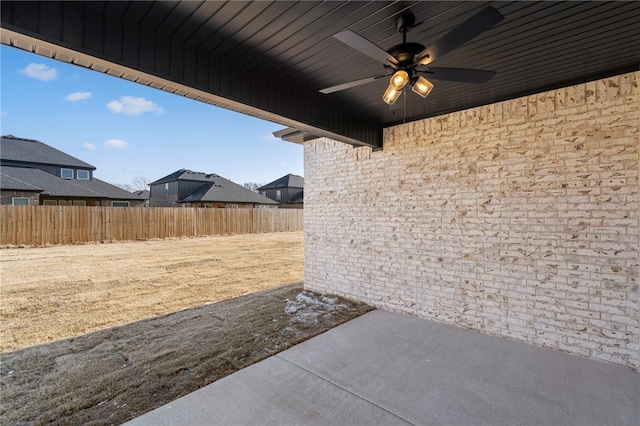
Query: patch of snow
x=290 y=308
x=309 y=307
x=290 y=330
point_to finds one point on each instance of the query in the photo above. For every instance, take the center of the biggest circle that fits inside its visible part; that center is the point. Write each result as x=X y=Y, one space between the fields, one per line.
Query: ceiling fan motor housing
x=405 y=53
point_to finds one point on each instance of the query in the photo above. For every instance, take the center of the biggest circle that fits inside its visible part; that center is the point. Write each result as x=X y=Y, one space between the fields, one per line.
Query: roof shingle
x=46 y=182
x=22 y=157
x=214 y=188
x=288 y=181
x=32 y=151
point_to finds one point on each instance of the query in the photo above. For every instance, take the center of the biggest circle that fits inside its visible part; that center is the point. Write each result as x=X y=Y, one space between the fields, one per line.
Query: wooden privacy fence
x=44 y=225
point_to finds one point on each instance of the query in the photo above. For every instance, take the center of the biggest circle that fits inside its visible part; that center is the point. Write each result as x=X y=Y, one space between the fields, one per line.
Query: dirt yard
x=102 y=333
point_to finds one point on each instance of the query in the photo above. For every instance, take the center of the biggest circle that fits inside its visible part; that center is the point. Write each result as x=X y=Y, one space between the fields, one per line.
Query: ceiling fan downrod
x=404 y=23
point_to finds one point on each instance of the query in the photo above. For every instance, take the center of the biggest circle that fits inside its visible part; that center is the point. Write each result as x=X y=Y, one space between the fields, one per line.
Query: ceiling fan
x=407 y=63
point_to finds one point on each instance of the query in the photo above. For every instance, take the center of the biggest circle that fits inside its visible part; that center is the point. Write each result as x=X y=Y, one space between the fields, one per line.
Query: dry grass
x=99 y=334
x=53 y=293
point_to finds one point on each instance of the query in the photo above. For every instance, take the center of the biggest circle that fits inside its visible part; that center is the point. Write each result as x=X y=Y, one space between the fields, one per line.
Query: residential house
x=195 y=189
x=144 y=193
x=288 y=191
x=33 y=173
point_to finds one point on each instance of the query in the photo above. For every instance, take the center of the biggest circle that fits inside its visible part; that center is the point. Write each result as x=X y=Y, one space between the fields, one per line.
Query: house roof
x=214 y=188
x=7 y=181
x=144 y=193
x=225 y=192
x=184 y=174
x=107 y=190
x=23 y=150
x=47 y=183
x=33 y=153
x=288 y=181
x=31 y=179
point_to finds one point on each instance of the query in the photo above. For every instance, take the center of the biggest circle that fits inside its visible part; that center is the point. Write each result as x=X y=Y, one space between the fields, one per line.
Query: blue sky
x=127 y=130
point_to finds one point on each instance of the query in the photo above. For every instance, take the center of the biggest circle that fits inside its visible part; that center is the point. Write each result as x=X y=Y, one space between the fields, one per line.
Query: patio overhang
x=271 y=59
x=294 y=135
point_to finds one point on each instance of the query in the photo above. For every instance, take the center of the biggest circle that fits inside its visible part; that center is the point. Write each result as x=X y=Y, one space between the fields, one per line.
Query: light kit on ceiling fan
x=400 y=78
x=422 y=86
x=397 y=82
x=409 y=62
x=391 y=95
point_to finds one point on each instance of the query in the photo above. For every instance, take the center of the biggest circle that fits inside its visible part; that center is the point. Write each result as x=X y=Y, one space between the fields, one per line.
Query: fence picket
x=47 y=225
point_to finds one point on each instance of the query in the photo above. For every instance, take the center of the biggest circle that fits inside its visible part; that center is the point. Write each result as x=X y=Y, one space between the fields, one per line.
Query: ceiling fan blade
x=462 y=75
x=352 y=84
x=469 y=29
x=366 y=47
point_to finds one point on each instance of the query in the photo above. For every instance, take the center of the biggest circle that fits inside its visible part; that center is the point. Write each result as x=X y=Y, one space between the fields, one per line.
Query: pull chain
x=404 y=106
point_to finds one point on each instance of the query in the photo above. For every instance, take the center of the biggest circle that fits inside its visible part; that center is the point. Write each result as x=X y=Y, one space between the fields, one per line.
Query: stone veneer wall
x=518 y=219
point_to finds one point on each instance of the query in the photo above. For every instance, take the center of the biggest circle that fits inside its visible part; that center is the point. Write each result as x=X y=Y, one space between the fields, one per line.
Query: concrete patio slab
x=387 y=368
x=272 y=392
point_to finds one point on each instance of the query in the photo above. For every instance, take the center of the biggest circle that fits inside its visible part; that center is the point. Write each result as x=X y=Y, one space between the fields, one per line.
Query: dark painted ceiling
x=270 y=59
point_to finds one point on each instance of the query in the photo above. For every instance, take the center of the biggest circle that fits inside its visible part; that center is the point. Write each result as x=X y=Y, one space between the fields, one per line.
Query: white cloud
x=40 y=72
x=115 y=144
x=269 y=137
x=130 y=105
x=78 y=96
x=89 y=146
